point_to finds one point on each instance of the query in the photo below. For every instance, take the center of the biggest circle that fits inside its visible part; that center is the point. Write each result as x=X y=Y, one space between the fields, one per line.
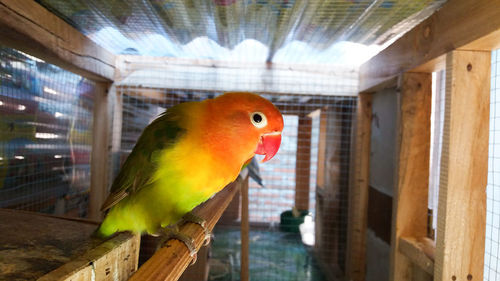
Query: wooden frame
x=409 y=218
x=460 y=37
x=464 y=167
x=459 y=24
x=358 y=194
x=27 y=26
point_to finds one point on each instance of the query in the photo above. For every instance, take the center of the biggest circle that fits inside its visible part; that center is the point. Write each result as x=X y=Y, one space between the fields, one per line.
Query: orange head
x=243 y=124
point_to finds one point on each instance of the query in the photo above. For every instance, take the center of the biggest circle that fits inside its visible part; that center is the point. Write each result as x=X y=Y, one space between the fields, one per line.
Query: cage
x=387 y=164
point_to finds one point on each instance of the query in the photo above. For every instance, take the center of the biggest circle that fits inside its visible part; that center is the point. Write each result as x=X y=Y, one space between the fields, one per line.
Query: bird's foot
x=167 y=233
x=190 y=217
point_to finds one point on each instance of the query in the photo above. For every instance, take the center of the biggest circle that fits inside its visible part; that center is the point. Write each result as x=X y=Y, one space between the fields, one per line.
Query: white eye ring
x=258 y=119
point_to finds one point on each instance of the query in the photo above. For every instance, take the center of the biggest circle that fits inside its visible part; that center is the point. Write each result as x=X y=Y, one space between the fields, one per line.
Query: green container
x=289 y=223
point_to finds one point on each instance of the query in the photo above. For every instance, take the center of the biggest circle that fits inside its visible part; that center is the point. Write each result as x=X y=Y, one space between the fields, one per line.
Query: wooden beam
x=28 y=27
x=415 y=252
x=409 y=211
x=99 y=164
x=245 y=233
x=466 y=24
x=303 y=163
x=358 y=192
x=171 y=260
x=464 y=167
x=320 y=172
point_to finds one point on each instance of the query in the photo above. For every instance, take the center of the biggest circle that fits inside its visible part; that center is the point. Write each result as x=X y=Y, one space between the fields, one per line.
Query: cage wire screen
x=492 y=249
x=277 y=250
x=46 y=116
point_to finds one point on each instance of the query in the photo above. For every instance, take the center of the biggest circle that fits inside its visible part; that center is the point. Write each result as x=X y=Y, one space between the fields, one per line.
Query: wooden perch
x=420 y=252
x=170 y=261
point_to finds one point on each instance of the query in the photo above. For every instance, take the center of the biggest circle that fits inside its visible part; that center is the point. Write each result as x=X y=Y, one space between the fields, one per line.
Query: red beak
x=269 y=145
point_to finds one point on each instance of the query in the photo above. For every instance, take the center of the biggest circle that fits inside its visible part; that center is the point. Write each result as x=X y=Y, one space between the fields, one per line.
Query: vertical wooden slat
x=320 y=174
x=303 y=163
x=245 y=232
x=358 y=193
x=409 y=216
x=464 y=167
x=116 y=131
x=99 y=157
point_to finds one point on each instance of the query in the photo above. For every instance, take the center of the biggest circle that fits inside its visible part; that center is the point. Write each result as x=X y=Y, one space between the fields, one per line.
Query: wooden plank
x=27 y=26
x=320 y=172
x=358 y=193
x=171 y=260
x=183 y=74
x=303 y=162
x=115 y=259
x=245 y=233
x=409 y=216
x=464 y=166
x=414 y=252
x=99 y=164
x=43 y=247
x=468 y=24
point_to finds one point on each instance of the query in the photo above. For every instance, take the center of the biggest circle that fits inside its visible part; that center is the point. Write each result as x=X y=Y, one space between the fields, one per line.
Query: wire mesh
x=277 y=251
x=492 y=254
x=437 y=123
x=253 y=30
x=46 y=117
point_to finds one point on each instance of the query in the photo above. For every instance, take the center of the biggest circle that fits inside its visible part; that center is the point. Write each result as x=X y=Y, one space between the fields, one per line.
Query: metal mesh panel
x=492 y=254
x=253 y=30
x=45 y=136
x=437 y=122
x=276 y=250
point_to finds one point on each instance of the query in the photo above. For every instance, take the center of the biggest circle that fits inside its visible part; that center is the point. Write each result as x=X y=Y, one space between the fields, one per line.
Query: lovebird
x=185 y=156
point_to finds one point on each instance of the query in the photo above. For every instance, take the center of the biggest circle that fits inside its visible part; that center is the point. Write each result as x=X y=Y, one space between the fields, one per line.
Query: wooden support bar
x=409 y=211
x=358 y=192
x=245 y=233
x=459 y=24
x=171 y=260
x=303 y=163
x=320 y=173
x=99 y=164
x=416 y=253
x=29 y=27
x=464 y=167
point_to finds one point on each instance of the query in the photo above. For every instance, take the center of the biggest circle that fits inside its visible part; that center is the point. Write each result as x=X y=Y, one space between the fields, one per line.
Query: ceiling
x=335 y=32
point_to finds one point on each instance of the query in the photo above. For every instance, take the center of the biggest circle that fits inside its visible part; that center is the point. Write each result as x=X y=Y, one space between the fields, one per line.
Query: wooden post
x=245 y=231
x=358 y=193
x=320 y=172
x=303 y=163
x=464 y=167
x=100 y=154
x=409 y=211
x=116 y=132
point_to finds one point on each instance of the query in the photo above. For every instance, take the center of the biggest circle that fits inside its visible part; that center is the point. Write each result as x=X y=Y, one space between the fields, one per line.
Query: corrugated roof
x=345 y=32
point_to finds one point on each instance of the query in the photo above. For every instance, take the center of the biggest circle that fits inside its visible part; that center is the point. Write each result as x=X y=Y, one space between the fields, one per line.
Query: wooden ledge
x=170 y=261
x=420 y=252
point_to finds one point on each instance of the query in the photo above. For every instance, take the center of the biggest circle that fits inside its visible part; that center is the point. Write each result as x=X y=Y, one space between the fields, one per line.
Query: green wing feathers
x=142 y=163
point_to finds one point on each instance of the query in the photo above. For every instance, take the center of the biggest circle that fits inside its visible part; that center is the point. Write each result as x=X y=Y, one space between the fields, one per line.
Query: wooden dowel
x=170 y=261
x=245 y=231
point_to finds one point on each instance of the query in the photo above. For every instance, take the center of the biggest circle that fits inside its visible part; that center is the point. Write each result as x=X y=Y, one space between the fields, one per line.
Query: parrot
x=185 y=156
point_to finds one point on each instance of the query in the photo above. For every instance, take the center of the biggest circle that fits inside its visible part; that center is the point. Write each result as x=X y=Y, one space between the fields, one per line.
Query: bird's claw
x=190 y=217
x=173 y=233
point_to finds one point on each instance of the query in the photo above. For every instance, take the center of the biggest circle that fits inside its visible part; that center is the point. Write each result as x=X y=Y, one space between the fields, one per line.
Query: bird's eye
x=258 y=119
